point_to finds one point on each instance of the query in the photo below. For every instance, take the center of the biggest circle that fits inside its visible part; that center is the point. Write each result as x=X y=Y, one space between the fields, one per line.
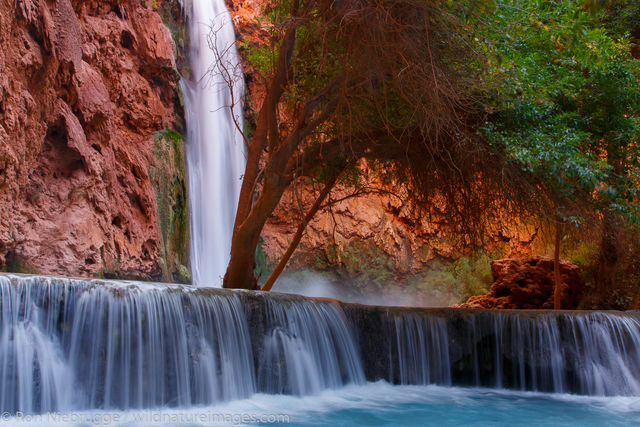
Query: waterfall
x=590 y=353
x=423 y=350
x=215 y=146
x=68 y=344
x=304 y=345
x=140 y=348
x=71 y=344
x=34 y=376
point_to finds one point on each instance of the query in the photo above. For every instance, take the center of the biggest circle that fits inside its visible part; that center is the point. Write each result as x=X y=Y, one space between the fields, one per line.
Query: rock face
x=379 y=221
x=529 y=284
x=83 y=87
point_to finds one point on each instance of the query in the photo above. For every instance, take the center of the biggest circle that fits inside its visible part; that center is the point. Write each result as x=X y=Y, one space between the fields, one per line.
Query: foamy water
x=91 y=352
x=379 y=404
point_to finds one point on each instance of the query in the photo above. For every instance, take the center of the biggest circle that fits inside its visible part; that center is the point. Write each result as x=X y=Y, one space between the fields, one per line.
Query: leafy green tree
x=565 y=98
x=339 y=82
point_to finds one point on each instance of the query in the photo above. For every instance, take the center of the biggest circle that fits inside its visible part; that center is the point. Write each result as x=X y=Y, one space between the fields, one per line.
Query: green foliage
x=621 y=17
x=167 y=134
x=473 y=275
x=168 y=177
x=584 y=251
x=112 y=271
x=264 y=266
x=565 y=100
x=367 y=262
x=370 y=271
x=361 y=263
x=450 y=282
x=437 y=286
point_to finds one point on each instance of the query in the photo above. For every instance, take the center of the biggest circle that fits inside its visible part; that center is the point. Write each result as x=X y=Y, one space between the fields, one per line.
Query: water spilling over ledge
x=590 y=353
x=84 y=344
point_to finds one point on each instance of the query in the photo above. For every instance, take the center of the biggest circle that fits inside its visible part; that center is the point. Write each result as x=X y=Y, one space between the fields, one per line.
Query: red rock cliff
x=83 y=87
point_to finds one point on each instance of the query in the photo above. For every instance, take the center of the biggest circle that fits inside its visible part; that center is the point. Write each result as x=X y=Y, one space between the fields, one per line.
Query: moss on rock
x=168 y=177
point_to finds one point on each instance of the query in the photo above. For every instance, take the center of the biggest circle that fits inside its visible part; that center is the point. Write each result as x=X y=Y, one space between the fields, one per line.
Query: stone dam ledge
x=542 y=350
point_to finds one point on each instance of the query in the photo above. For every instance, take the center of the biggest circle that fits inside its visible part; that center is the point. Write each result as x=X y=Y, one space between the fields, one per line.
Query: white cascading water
x=34 y=377
x=215 y=147
x=591 y=353
x=71 y=344
x=423 y=350
x=309 y=348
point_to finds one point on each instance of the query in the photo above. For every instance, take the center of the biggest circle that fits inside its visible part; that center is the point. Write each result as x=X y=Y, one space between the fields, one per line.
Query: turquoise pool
x=378 y=404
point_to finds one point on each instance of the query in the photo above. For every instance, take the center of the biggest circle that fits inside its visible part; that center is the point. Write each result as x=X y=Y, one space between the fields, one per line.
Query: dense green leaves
x=565 y=98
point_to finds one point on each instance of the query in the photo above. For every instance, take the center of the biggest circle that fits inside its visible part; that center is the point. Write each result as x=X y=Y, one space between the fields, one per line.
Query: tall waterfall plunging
x=215 y=148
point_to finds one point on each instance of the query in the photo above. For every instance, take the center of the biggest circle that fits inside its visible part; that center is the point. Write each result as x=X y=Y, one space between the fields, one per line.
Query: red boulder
x=529 y=284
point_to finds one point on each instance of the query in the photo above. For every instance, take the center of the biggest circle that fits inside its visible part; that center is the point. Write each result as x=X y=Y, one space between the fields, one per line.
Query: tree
x=566 y=109
x=386 y=80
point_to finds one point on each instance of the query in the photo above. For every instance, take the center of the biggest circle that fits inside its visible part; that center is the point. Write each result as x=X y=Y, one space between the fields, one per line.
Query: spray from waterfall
x=215 y=148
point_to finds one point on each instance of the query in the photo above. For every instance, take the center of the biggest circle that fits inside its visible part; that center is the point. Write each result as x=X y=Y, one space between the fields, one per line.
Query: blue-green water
x=378 y=404
x=384 y=405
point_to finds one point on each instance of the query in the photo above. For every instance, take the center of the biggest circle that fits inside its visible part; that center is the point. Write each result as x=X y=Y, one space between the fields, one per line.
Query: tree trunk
x=299 y=233
x=242 y=265
x=636 y=303
x=608 y=258
x=557 y=292
x=250 y=216
x=247 y=235
x=608 y=255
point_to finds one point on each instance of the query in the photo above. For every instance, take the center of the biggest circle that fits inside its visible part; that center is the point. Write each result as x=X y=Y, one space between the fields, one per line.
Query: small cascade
x=34 y=376
x=70 y=344
x=215 y=147
x=422 y=347
x=136 y=347
x=587 y=353
x=308 y=347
